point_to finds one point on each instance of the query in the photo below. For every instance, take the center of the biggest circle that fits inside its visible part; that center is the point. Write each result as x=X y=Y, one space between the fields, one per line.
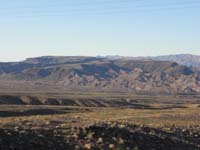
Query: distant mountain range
x=173 y=74
x=182 y=59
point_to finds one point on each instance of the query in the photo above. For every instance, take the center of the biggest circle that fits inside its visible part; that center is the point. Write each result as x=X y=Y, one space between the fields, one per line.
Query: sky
x=98 y=27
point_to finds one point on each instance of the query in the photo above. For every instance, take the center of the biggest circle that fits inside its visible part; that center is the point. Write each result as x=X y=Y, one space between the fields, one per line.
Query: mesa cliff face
x=99 y=74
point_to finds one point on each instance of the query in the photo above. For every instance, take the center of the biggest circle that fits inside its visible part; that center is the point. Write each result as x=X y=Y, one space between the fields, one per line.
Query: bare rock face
x=99 y=74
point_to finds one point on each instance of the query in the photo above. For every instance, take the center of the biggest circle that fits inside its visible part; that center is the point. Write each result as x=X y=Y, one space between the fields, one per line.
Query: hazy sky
x=30 y=28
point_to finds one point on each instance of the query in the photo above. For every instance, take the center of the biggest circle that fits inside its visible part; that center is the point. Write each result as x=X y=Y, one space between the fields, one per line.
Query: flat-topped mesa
x=59 y=59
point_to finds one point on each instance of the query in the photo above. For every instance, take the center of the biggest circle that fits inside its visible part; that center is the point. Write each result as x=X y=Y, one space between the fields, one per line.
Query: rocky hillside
x=98 y=74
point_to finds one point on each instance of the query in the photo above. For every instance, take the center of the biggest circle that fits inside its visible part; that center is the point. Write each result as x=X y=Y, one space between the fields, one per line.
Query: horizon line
x=125 y=56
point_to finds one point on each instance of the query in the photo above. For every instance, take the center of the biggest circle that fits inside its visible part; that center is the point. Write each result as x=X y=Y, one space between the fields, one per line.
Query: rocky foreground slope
x=98 y=74
x=105 y=136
